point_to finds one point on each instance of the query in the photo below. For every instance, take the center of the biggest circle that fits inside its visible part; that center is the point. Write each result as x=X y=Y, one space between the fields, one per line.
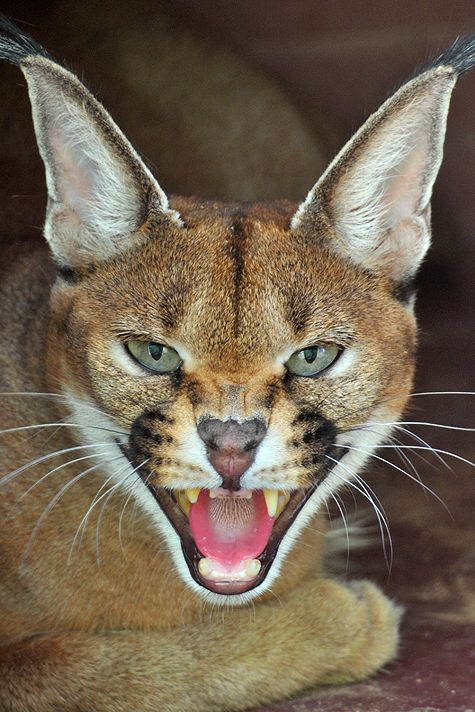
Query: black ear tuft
x=460 y=56
x=16 y=45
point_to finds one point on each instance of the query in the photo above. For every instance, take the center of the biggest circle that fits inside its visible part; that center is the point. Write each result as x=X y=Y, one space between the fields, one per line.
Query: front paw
x=372 y=621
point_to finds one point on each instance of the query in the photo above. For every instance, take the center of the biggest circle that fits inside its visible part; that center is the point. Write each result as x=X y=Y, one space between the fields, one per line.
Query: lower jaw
x=228 y=588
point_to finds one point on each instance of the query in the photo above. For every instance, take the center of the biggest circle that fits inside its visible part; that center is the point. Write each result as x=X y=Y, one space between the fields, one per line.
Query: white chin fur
x=89 y=417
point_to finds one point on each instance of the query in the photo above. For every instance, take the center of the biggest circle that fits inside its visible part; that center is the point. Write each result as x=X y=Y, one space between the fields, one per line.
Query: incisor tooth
x=205 y=567
x=252 y=567
x=271 y=497
x=193 y=493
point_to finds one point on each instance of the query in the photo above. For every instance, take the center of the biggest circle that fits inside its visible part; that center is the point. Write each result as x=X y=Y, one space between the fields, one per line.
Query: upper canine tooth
x=272 y=498
x=283 y=499
x=193 y=493
x=183 y=501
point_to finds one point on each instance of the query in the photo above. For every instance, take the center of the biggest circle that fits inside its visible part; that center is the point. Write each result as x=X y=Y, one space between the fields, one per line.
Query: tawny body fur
x=102 y=606
x=114 y=607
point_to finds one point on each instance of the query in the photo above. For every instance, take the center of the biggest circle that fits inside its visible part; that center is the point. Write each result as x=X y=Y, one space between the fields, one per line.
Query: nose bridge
x=214 y=396
x=233 y=397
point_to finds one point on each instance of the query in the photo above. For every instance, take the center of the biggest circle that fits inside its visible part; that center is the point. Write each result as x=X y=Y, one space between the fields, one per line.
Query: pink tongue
x=230 y=529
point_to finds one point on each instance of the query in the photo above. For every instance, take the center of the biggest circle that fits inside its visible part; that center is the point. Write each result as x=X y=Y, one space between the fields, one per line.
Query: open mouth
x=230 y=539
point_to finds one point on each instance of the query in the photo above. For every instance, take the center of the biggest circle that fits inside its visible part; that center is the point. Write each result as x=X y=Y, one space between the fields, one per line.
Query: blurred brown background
x=337 y=62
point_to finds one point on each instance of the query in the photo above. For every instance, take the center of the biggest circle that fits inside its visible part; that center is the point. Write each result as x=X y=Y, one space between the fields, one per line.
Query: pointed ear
x=100 y=193
x=373 y=202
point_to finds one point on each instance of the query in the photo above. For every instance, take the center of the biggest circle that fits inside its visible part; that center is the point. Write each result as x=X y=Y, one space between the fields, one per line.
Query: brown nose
x=231 y=446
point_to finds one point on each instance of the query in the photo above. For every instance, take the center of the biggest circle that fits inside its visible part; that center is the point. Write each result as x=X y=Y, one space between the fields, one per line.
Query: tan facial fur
x=104 y=607
x=242 y=300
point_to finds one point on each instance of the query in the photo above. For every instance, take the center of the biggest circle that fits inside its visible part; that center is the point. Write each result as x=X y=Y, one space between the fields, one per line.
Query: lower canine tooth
x=271 y=497
x=252 y=567
x=205 y=567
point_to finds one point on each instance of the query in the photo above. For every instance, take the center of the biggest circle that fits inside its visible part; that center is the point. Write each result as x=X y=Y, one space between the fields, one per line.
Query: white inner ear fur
x=377 y=191
x=99 y=189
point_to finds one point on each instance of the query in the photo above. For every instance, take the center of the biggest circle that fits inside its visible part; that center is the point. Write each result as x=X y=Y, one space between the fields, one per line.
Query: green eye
x=155 y=357
x=313 y=360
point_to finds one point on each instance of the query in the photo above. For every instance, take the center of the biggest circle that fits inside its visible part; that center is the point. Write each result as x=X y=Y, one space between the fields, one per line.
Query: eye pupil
x=310 y=355
x=155 y=350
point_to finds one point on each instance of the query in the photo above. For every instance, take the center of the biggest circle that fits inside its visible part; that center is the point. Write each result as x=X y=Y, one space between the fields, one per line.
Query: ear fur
x=99 y=190
x=372 y=204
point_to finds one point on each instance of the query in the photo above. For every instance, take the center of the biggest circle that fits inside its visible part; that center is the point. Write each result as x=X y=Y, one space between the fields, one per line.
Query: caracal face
x=233 y=447
x=242 y=362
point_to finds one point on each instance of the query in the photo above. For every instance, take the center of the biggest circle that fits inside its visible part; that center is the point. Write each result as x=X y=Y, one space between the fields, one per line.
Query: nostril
x=211 y=444
x=231 y=446
x=222 y=434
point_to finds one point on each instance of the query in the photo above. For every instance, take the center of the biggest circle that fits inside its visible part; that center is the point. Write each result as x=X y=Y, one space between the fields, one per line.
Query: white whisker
x=382 y=512
x=417 y=438
x=396 y=467
x=342 y=510
x=420 y=440
x=39 y=426
x=441 y=452
x=83 y=522
x=122 y=512
x=435 y=425
x=399 y=426
x=366 y=492
x=106 y=496
x=417 y=422
x=97 y=499
x=60 y=467
x=443 y=393
x=50 y=506
x=44 y=458
x=405 y=459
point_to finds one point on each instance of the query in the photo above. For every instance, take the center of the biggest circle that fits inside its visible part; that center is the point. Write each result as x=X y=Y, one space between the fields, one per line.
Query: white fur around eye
x=347 y=361
x=125 y=362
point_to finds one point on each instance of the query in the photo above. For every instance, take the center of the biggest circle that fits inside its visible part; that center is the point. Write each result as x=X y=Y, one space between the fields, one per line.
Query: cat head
x=244 y=361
